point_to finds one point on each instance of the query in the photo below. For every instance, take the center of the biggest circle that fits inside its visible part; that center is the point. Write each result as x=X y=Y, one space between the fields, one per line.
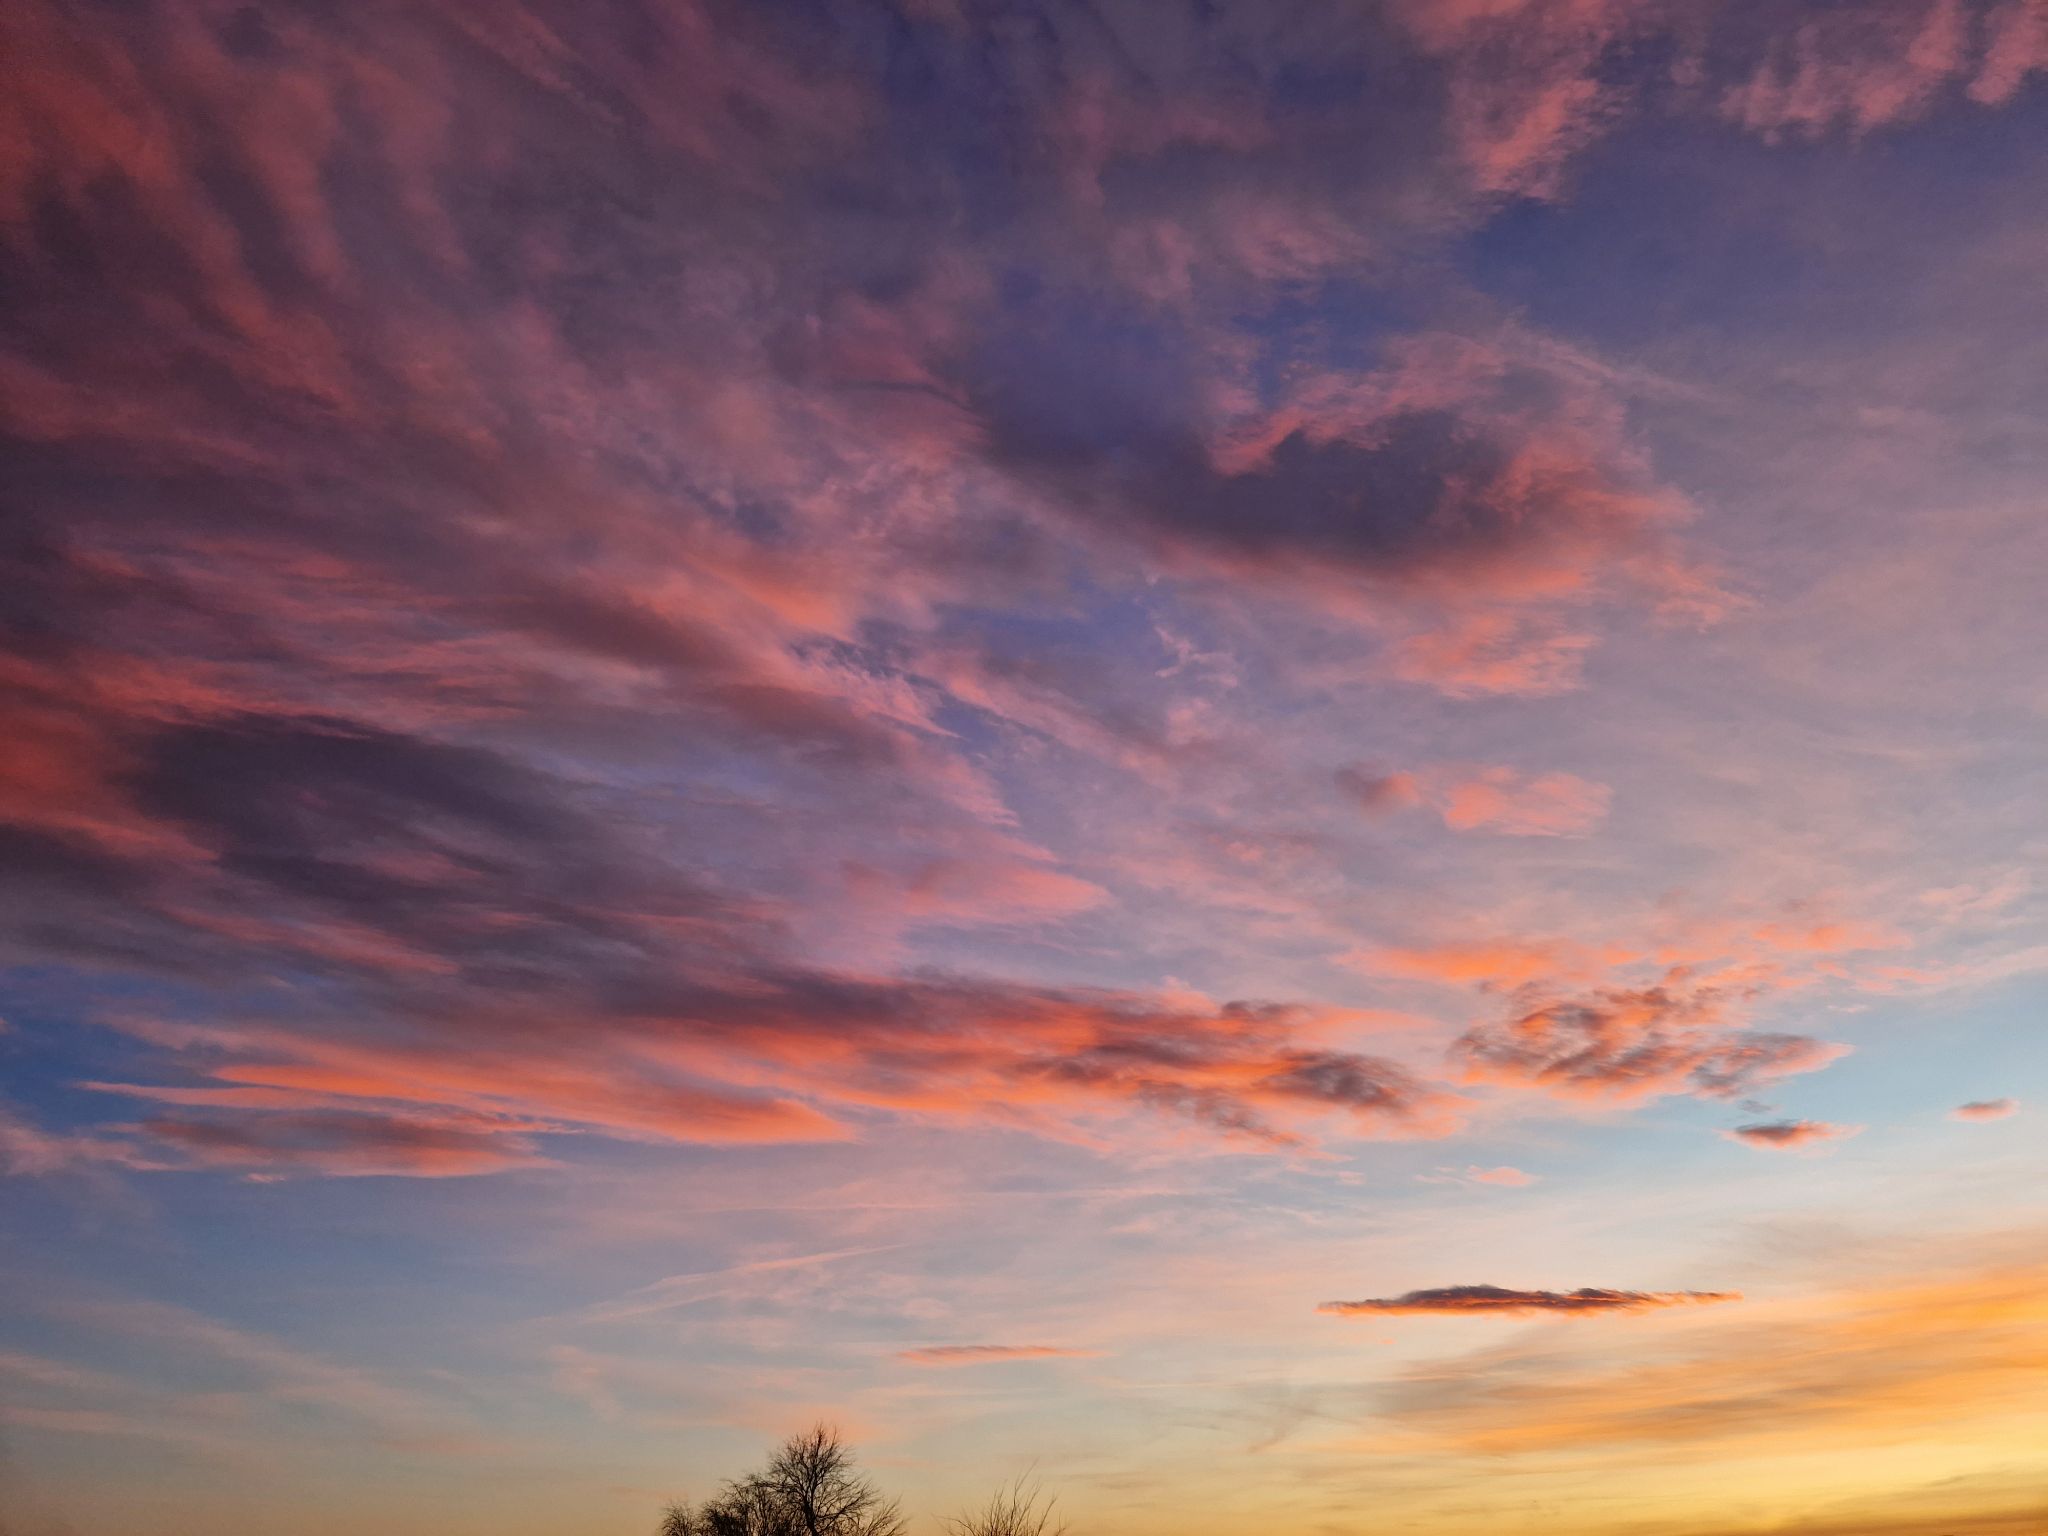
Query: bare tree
x=814 y=1478
x=747 y=1506
x=810 y=1487
x=1022 y=1509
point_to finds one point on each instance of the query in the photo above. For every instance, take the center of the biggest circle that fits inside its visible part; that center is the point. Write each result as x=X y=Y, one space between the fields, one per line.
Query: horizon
x=1278 y=762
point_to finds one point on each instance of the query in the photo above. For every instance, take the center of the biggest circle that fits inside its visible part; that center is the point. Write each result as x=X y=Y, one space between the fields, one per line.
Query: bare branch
x=1022 y=1509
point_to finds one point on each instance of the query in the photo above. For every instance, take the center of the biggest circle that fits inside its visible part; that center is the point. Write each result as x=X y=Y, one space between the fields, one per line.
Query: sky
x=1280 y=756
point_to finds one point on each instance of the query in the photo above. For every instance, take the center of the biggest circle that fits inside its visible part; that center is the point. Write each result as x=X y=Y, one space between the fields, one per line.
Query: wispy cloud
x=673 y=1291
x=990 y=1354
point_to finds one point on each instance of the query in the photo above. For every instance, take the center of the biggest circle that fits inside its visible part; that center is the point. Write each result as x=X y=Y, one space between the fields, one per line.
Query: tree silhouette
x=810 y=1487
x=813 y=1477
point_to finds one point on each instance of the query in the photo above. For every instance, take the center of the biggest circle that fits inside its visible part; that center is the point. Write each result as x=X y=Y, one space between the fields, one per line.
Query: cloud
x=1940 y=1510
x=1986 y=1109
x=551 y=549
x=1477 y=1300
x=28 y=1150
x=1491 y=963
x=258 y=1373
x=1504 y=1176
x=1631 y=1043
x=1887 y=63
x=673 y=1291
x=828 y=1047
x=1377 y=792
x=989 y=1354
x=1663 y=1007
x=1852 y=1366
x=1500 y=800
x=1542 y=805
x=439 y=633
x=1788 y=1135
x=347 y=1145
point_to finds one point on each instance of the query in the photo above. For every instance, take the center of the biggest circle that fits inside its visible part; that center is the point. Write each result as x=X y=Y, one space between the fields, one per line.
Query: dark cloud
x=1377 y=791
x=1456 y=1300
x=1445 y=470
x=1623 y=1043
x=1784 y=1135
x=1986 y=1109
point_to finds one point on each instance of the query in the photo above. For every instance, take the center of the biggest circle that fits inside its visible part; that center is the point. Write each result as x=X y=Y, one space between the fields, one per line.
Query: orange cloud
x=753 y=1063
x=1482 y=1300
x=1495 y=963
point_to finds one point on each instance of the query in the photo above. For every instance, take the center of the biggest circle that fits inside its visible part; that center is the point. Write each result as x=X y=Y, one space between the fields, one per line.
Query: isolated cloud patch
x=1376 y=791
x=1505 y=1176
x=1986 y=1109
x=990 y=1354
x=1627 y=1043
x=1502 y=1177
x=1490 y=799
x=1540 y=805
x=1786 y=1135
x=1492 y=1300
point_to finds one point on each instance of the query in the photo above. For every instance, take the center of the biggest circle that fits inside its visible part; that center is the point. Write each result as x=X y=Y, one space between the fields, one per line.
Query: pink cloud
x=2016 y=47
x=1674 y=1012
x=1874 y=65
x=1477 y=654
x=1505 y=1177
x=789 y=1060
x=1540 y=805
x=1496 y=799
x=1502 y=1177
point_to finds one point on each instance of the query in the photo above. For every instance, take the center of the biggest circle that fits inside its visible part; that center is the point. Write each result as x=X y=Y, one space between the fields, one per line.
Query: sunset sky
x=1286 y=756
